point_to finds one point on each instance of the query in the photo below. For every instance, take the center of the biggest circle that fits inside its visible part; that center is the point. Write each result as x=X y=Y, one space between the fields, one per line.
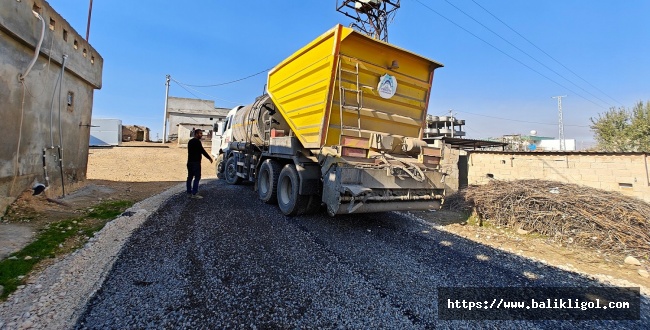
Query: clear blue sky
x=494 y=86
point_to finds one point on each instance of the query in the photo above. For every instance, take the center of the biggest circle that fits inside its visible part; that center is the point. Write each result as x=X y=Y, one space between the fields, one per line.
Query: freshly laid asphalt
x=230 y=261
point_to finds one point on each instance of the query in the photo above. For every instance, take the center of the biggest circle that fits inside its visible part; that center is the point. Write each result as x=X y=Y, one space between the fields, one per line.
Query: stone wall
x=135 y=133
x=34 y=126
x=627 y=173
x=449 y=166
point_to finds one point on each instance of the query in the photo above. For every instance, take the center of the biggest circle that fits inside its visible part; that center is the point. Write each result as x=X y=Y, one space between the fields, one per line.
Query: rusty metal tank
x=253 y=122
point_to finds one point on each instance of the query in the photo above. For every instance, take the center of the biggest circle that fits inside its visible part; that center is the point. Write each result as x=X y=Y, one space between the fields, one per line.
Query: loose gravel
x=55 y=298
x=230 y=261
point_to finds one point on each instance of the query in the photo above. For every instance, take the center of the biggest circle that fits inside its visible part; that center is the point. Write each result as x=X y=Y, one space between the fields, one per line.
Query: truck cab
x=222 y=136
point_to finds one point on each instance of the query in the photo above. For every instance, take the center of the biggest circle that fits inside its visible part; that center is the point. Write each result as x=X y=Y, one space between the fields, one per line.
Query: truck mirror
x=219 y=127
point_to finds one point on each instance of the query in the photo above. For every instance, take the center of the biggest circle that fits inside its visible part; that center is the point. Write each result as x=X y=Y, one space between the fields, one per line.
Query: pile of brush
x=569 y=213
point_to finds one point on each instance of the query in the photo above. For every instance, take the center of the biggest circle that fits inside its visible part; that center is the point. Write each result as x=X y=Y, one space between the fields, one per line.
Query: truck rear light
x=354 y=152
x=355 y=142
x=277 y=132
x=429 y=161
x=431 y=151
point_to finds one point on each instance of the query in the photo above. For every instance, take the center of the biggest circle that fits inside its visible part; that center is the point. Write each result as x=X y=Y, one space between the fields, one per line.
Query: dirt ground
x=133 y=172
x=603 y=265
x=137 y=170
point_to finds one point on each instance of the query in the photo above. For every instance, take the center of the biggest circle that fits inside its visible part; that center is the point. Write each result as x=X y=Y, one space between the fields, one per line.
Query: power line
x=229 y=82
x=545 y=53
x=183 y=86
x=520 y=121
x=504 y=53
x=474 y=130
x=521 y=50
x=205 y=102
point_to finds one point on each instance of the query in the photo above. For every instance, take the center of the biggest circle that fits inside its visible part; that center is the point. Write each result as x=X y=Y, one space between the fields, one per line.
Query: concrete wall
x=185 y=132
x=192 y=112
x=27 y=107
x=449 y=165
x=627 y=173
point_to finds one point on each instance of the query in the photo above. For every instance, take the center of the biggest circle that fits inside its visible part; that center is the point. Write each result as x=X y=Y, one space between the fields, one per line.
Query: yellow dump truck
x=341 y=126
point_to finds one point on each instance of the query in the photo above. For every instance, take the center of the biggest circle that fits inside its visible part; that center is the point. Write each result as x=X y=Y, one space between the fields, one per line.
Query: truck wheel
x=230 y=171
x=218 y=165
x=291 y=203
x=267 y=181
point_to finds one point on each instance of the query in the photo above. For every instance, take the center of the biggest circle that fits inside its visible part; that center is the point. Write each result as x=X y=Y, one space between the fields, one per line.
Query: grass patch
x=474 y=220
x=109 y=210
x=57 y=238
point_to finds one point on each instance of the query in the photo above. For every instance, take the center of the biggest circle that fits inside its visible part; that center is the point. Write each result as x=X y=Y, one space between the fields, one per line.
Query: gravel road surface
x=229 y=261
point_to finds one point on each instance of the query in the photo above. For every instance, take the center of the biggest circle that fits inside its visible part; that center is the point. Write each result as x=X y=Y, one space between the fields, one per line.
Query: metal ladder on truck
x=351 y=146
x=358 y=95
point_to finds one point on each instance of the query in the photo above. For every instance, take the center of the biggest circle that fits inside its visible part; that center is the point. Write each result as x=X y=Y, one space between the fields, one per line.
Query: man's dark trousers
x=193 y=172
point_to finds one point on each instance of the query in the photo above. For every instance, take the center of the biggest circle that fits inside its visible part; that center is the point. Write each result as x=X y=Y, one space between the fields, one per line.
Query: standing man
x=194 y=152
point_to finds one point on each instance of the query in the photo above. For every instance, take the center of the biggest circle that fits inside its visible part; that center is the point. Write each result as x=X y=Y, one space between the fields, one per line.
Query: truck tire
x=218 y=165
x=267 y=181
x=289 y=200
x=230 y=171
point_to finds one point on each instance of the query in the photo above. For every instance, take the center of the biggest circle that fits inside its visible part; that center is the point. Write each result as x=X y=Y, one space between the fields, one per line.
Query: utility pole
x=90 y=12
x=164 y=135
x=371 y=17
x=561 y=124
x=451 y=118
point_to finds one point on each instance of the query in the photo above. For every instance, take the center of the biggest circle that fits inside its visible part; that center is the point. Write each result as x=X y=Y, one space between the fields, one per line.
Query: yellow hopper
x=346 y=83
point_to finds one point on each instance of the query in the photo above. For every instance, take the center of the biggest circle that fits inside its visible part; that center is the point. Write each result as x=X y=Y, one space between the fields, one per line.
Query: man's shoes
x=197 y=196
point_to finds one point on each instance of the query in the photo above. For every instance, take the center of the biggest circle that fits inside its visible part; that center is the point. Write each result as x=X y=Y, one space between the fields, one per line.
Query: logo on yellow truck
x=387 y=86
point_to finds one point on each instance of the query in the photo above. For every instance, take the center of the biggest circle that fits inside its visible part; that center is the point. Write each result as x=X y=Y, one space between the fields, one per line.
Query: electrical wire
x=521 y=50
x=26 y=90
x=184 y=86
x=65 y=57
x=475 y=131
x=20 y=135
x=47 y=69
x=545 y=53
x=520 y=121
x=508 y=55
x=37 y=50
x=229 y=82
x=57 y=84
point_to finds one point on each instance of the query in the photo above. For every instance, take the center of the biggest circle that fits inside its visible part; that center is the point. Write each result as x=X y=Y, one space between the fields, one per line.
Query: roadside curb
x=57 y=296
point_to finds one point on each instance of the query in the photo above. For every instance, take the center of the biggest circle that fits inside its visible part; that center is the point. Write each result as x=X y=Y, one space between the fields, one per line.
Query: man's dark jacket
x=195 y=150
